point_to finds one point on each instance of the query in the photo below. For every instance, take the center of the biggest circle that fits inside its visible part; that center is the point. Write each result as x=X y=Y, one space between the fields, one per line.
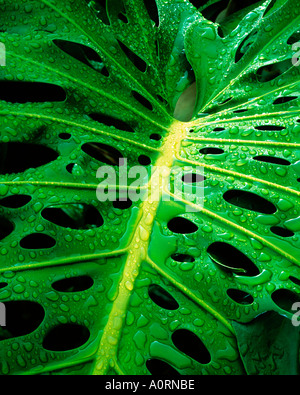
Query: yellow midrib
x=137 y=251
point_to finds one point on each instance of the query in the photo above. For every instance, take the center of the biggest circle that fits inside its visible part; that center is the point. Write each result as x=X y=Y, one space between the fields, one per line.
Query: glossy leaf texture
x=165 y=284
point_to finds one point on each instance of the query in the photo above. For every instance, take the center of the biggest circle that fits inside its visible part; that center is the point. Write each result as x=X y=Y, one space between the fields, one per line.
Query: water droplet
x=19 y=288
x=129 y=285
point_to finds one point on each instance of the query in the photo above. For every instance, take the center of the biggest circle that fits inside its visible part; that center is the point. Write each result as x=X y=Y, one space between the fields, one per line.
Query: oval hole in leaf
x=18 y=157
x=211 y=151
x=240 y=297
x=74 y=216
x=33 y=92
x=152 y=10
x=157 y=367
x=269 y=127
x=294 y=38
x=122 y=204
x=142 y=100
x=230 y=259
x=65 y=136
x=83 y=53
x=22 y=318
x=286 y=99
x=73 y=284
x=70 y=167
x=183 y=258
x=66 y=337
x=295 y=280
x=15 y=201
x=193 y=178
x=283 y=232
x=6 y=228
x=225 y=101
x=138 y=62
x=182 y=225
x=245 y=45
x=190 y=344
x=272 y=159
x=284 y=298
x=249 y=201
x=155 y=136
x=272 y=71
x=144 y=160
x=103 y=153
x=161 y=99
x=240 y=111
x=37 y=241
x=162 y=298
x=111 y=121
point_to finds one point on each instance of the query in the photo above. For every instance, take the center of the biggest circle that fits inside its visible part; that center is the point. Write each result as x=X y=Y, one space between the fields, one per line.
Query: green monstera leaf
x=171 y=264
